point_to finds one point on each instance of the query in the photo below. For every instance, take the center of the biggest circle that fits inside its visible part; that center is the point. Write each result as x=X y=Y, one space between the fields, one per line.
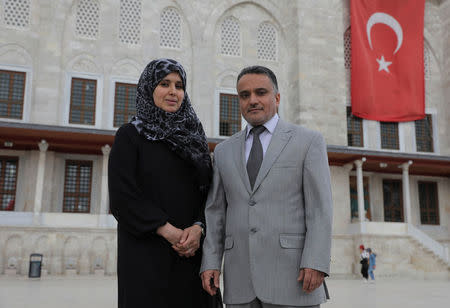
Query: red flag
x=387 y=59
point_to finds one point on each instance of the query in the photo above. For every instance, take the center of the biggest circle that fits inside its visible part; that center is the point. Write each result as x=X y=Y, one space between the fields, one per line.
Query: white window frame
x=217 y=93
x=112 y=92
x=27 y=92
x=98 y=99
x=364 y=127
x=60 y=164
x=401 y=137
x=20 y=176
x=433 y=113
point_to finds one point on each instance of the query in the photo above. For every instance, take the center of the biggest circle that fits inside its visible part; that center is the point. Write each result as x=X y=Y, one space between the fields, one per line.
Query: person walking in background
x=364 y=260
x=372 y=263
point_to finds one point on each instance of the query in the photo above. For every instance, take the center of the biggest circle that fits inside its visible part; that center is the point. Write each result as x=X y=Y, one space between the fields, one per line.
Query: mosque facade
x=68 y=75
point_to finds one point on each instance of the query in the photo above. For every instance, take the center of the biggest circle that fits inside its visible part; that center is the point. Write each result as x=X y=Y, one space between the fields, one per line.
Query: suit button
x=252 y=202
x=253 y=230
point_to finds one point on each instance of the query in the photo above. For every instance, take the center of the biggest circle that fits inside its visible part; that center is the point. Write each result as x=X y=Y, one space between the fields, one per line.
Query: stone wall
x=309 y=64
x=66 y=251
x=82 y=251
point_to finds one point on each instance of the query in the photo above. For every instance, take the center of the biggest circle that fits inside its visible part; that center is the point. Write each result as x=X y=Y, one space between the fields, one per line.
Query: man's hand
x=189 y=242
x=206 y=278
x=170 y=233
x=312 y=279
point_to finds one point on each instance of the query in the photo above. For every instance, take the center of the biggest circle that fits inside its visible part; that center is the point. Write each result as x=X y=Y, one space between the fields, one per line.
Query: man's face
x=257 y=98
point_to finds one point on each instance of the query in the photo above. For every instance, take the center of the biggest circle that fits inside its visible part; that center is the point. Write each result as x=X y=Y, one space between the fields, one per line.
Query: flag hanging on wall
x=387 y=60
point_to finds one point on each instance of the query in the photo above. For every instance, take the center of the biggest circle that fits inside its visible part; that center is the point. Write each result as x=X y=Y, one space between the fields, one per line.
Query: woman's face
x=168 y=94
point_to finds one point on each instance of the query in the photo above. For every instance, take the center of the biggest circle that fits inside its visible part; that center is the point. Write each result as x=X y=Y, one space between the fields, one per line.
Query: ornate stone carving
x=85 y=65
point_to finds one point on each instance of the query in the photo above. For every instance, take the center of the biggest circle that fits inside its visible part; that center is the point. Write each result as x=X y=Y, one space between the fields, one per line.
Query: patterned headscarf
x=180 y=130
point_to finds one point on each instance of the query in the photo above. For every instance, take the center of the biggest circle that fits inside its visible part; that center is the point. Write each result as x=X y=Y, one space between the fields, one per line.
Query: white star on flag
x=383 y=64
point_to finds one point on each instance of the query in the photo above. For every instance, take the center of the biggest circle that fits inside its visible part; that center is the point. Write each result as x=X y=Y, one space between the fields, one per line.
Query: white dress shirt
x=264 y=137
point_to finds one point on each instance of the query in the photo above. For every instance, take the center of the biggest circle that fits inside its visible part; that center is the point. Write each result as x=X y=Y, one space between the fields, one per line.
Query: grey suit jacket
x=266 y=235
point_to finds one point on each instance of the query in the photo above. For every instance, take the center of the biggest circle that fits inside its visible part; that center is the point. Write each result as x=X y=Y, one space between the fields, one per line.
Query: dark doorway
x=393 y=200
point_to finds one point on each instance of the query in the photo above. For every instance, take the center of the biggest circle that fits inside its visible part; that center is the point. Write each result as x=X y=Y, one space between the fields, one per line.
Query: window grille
x=87 y=19
x=170 y=29
x=393 y=200
x=389 y=135
x=429 y=205
x=355 y=136
x=230 y=115
x=12 y=91
x=130 y=21
x=82 y=101
x=230 y=37
x=267 y=42
x=424 y=134
x=8 y=180
x=124 y=103
x=348 y=48
x=77 y=186
x=17 y=13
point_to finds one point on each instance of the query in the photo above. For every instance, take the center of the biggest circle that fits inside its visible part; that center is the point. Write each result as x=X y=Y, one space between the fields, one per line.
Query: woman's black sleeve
x=132 y=212
x=201 y=214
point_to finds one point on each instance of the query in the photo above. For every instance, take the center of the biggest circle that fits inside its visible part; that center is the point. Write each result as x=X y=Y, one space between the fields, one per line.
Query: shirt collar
x=269 y=125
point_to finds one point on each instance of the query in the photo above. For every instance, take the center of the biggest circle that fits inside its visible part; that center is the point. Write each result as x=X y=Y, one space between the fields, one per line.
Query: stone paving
x=101 y=292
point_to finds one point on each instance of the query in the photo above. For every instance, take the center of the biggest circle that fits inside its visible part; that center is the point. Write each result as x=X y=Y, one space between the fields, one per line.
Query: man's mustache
x=254 y=107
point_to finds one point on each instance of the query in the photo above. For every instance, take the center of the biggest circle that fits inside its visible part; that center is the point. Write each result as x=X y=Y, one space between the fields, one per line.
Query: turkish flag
x=387 y=60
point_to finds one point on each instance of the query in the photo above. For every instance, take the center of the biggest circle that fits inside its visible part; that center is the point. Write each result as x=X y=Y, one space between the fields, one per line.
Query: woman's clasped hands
x=184 y=242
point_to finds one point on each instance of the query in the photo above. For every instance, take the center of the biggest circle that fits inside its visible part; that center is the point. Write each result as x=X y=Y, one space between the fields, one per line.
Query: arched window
x=170 y=29
x=17 y=13
x=87 y=19
x=130 y=21
x=267 y=42
x=230 y=37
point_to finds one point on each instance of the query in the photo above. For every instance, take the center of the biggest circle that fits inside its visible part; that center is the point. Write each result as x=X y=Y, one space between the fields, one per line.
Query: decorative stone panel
x=267 y=42
x=170 y=31
x=13 y=254
x=230 y=37
x=71 y=255
x=99 y=255
x=130 y=21
x=348 y=48
x=17 y=13
x=127 y=67
x=87 y=19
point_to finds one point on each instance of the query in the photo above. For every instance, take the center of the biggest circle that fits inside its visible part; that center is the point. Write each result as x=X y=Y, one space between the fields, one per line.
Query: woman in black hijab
x=159 y=174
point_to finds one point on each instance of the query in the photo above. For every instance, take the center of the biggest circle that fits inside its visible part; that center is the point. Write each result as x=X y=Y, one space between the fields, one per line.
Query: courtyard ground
x=101 y=292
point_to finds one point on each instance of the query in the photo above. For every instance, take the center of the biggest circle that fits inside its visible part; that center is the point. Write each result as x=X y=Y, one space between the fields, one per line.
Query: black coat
x=150 y=185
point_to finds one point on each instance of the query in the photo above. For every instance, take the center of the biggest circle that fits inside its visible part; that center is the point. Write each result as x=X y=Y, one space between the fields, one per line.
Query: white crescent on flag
x=391 y=22
x=388 y=20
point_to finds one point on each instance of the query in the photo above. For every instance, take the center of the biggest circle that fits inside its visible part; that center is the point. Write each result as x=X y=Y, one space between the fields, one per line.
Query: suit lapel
x=279 y=140
x=239 y=158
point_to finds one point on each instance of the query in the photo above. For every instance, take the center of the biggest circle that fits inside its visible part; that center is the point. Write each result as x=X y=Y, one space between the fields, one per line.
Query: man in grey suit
x=269 y=209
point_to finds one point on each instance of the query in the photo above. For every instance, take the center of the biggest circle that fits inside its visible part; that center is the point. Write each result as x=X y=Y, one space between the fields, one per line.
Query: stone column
x=360 y=190
x=104 y=185
x=43 y=146
x=406 y=194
